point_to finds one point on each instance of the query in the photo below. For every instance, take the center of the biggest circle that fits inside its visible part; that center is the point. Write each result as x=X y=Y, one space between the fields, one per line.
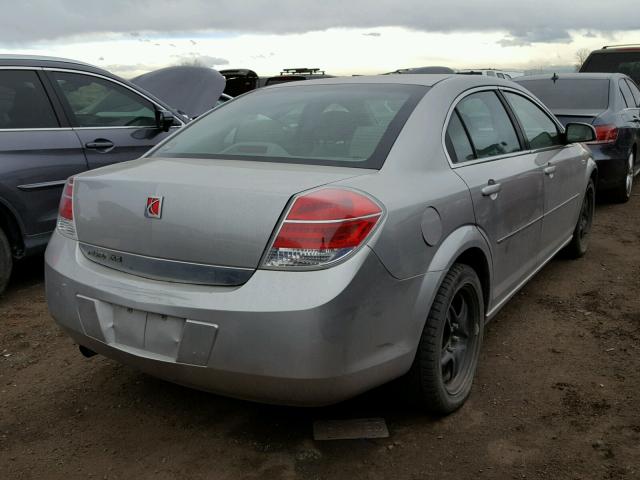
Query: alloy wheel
x=459 y=339
x=630 y=172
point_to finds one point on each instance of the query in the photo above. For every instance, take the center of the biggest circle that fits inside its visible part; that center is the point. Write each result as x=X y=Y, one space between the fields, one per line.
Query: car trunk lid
x=213 y=212
x=578 y=116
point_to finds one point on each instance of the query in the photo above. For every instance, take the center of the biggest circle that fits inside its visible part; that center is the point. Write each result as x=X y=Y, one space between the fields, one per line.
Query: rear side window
x=635 y=92
x=458 y=144
x=627 y=95
x=539 y=129
x=345 y=125
x=24 y=102
x=570 y=94
x=488 y=124
x=96 y=102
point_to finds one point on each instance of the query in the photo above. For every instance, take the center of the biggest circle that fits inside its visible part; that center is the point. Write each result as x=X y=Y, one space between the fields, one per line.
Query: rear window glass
x=571 y=94
x=347 y=125
x=614 y=62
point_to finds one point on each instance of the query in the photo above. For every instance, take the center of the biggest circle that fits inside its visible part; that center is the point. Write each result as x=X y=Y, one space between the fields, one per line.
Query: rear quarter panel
x=416 y=177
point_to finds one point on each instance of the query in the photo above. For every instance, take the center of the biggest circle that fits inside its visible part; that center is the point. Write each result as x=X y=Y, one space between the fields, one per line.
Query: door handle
x=549 y=170
x=636 y=120
x=100 y=144
x=491 y=189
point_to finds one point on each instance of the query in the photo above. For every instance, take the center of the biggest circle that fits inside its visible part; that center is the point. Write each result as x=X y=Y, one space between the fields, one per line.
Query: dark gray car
x=58 y=118
x=611 y=103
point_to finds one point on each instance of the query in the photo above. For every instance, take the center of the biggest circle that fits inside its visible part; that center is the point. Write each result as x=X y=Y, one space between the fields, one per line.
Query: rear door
x=563 y=168
x=38 y=151
x=113 y=122
x=506 y=185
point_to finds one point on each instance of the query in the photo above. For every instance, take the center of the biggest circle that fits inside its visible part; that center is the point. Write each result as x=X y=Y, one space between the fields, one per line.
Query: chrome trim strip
x=38 y=186
x=19 y=67
x=335 y=221
x=495 y=309
x=561 y=205
x=124 y=127
x=165 y=269
x=51 y=129
x=518 y=230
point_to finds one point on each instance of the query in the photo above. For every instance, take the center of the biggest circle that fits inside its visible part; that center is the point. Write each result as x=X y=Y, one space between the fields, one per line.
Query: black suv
x=295 y=75
x=57 y=118
x=615 y=59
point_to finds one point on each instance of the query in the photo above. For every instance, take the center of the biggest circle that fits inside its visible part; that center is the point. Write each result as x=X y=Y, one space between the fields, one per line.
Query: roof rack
x=623 y=45
x=301 y=71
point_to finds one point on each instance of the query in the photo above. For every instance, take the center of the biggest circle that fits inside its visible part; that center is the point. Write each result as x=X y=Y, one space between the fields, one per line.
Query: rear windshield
x=614 y=62
x=351 y=125
x=570 y=94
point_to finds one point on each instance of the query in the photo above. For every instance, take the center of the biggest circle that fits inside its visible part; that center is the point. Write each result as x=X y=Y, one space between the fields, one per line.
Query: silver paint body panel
x=312 y=337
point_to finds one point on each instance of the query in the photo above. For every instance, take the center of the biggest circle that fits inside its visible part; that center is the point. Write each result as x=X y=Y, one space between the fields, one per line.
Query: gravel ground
x=556 y=396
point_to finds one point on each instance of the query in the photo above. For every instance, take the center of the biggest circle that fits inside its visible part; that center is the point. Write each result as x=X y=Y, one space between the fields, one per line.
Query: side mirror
x=579 y=133
x=165 y=120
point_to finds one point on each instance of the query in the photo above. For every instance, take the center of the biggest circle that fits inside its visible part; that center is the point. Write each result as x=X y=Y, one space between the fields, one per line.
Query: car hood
x=189 y=89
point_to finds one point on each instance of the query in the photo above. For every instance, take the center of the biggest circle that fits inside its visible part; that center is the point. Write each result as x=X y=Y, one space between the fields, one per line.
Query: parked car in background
x=295 y=75
x=489 y=72
x=421 y=70
x=191 y=90
x=60 y=117
x=615 y=59
x=608 y=101
x=239 y=81
x=313 y=240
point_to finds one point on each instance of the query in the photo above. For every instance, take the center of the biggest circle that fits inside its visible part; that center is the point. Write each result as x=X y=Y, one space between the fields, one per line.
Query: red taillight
x=322 y=227
x=66 y=224
x=606 y=134
x=66 y=201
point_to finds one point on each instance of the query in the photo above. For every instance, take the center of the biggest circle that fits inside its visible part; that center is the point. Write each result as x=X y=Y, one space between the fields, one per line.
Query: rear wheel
x=442 y=373
x=580 y=240
x=622 y=193
x=6 y=261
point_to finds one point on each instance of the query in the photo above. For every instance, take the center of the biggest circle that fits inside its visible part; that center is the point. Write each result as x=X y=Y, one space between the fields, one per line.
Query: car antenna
x=555 y=77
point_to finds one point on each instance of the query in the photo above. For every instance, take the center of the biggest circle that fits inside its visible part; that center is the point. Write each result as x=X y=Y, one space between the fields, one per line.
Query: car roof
x=571 y=76
x=618 y=48
x=9 y=58
x=427 y=80
x=36 y=61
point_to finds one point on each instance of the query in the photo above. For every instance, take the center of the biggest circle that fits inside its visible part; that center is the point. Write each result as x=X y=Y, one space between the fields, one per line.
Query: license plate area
x=165 y=337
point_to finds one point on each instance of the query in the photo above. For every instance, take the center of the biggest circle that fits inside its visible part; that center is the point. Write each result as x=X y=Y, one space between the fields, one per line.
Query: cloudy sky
x=341 y=36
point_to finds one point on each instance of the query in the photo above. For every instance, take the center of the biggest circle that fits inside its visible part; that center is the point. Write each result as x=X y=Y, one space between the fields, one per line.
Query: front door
x=563 y=169
x=113 y=122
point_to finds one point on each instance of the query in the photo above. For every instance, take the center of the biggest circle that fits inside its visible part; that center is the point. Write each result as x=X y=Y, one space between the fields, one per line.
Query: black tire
x=622 y=193
x=6 y=261
x=435 y=381
x=580 y=240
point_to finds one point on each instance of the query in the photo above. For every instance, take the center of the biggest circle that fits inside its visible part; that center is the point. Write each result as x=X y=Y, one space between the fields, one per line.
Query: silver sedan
x=309 y=241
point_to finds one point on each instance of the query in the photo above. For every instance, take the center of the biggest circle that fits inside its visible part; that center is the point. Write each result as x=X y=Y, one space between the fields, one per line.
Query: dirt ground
x=557 y=396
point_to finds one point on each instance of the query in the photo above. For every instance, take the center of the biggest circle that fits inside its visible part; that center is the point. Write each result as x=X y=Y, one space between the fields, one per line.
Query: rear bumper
x=612 y=165
x=295 y=338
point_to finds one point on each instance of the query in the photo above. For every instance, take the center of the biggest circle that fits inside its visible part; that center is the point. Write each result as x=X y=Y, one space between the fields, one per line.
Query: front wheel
x=580 y=240
x=6 y=261
x=442 y=373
